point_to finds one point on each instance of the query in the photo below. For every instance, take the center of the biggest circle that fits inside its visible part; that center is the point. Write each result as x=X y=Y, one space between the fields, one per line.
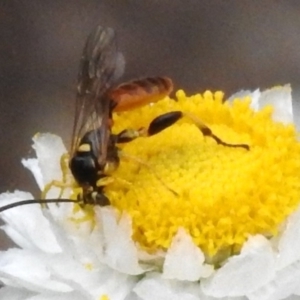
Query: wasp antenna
x=35 y=201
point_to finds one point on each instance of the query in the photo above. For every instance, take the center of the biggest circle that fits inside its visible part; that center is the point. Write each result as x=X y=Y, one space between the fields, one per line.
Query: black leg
x=166 y=120
x=157 y=125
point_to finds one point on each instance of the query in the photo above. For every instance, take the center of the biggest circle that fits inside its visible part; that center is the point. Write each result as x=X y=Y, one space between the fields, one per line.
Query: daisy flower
x=190 y=218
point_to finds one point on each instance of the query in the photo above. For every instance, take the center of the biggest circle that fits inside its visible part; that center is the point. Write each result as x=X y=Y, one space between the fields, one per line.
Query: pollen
x=89 y=266
x=219 y=194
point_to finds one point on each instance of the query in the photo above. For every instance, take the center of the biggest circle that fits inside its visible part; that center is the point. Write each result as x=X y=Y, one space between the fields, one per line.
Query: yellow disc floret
x=220 y=195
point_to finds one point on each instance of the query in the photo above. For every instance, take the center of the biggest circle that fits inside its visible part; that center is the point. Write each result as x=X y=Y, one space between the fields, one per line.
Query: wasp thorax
x=83 y=166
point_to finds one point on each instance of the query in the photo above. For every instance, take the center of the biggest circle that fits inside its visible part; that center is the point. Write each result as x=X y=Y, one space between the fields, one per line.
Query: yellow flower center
x=220 y=195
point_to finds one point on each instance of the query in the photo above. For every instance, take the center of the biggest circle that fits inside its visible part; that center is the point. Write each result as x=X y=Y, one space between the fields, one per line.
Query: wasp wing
x=101 y=64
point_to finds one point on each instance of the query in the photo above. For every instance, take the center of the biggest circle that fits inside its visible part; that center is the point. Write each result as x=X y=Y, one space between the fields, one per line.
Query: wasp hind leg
x=166 y=120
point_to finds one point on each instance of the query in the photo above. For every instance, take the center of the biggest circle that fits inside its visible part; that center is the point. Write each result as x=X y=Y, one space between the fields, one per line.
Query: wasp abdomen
x=137 y=93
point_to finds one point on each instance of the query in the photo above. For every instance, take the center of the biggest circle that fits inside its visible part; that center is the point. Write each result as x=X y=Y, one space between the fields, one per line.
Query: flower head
x=222 y=195
x=190 y=218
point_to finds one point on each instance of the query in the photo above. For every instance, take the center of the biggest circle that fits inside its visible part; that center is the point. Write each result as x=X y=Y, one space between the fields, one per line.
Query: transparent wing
x=100 y=65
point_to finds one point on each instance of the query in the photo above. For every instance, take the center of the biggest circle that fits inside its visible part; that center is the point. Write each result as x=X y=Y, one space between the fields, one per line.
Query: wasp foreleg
x=64 y=183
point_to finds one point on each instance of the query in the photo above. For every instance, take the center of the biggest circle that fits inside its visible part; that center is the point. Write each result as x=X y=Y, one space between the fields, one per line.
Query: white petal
x=154 y=287
x=285 y=284
x=77 y=268
x=32 y=164
x=97 y=279
x=133 y=296
x=121 y=252
x=85 y=277
x=49 y=149
x=159 y=255
x=281 y=100
x=70 y=241
x=17 y=238
x=184 y=260
x=13 y=293
x=255 y=96
x=16 y=196
x=293 y=297
x=89 y=248
x=115 y=285
x=296 y=108
x=59 y=296
x=246 y=93
x=66 y=269
x=244 y=273
x=26 y=225
x=279 y=97
x=28 y=269
x=289 y=242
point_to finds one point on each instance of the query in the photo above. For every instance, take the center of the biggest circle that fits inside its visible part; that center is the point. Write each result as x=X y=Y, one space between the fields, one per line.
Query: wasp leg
x=101 y=199
x=166 y=120
x=64 y=165
x=93 y=197
x=104 y=181
x=49 y=186
x=108 y=180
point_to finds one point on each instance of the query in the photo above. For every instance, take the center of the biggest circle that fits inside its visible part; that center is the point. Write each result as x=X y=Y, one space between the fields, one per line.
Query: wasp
x=94 y=151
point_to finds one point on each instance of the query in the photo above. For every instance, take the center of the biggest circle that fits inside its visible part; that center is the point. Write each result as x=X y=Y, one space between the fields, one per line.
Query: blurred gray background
x=205 y=44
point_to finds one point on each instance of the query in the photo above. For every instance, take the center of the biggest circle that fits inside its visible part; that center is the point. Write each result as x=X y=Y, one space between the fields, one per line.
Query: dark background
x=205 y=44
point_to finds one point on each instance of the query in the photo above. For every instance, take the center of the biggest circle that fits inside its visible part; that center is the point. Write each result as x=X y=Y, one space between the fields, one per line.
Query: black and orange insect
x=94 y=152
x=94 y=149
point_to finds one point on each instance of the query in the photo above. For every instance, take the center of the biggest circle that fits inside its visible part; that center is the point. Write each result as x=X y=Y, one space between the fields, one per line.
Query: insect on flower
x=94 y=151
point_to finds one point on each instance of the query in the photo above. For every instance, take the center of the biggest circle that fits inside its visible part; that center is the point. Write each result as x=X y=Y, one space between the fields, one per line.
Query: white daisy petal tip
x=7 y=198
x=49 y=149
x=244 y=273
x=32 y=164
x=254 y=96
x=280 y=98
x=121 y=252
x=184 y=260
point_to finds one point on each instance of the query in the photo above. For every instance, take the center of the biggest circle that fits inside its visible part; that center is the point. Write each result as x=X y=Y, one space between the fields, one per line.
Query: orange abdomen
x=138 y=93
